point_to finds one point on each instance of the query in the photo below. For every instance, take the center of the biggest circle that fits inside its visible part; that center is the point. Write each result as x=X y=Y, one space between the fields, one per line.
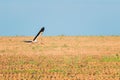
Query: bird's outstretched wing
x=41 y=31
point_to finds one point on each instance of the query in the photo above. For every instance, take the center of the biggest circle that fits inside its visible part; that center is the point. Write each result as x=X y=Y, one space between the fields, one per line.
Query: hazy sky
x=59 y=17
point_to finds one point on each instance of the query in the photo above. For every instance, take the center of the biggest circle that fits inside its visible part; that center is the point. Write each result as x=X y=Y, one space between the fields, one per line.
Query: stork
x=35 y=38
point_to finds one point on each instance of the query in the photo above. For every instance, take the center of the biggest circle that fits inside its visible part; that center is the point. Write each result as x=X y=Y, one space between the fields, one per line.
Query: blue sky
x=59 y=17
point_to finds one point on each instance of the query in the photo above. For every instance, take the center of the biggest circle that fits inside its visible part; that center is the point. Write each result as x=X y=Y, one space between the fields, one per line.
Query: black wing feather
x=41 y=30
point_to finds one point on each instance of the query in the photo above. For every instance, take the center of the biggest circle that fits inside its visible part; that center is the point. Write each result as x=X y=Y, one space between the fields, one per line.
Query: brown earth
x=60 y=58
x=62 y=45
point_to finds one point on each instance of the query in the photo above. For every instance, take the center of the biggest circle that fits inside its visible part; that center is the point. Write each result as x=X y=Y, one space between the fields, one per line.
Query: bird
x=35 y=38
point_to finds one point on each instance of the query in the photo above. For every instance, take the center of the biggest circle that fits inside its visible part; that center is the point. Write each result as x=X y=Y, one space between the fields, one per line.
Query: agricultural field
x=60 y=58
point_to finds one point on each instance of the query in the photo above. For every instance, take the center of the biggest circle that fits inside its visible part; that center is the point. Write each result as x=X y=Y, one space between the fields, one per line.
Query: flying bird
x=35 y=38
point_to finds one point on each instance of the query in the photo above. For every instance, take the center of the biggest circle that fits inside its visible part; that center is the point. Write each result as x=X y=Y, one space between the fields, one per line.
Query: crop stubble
x=60 y=58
